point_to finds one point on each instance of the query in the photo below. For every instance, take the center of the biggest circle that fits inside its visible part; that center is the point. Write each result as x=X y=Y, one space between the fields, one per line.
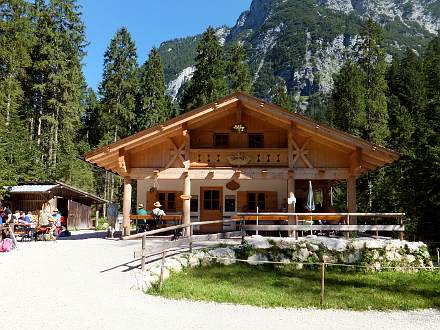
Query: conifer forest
x=50 y=117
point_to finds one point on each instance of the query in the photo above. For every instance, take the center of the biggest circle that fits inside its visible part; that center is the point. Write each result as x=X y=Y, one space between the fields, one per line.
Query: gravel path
x=86 y=284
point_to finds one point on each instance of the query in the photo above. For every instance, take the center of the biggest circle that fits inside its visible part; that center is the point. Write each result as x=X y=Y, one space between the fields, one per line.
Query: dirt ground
x=85 y=282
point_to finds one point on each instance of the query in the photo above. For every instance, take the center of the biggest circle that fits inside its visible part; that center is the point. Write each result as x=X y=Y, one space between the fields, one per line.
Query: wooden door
x=211 y=208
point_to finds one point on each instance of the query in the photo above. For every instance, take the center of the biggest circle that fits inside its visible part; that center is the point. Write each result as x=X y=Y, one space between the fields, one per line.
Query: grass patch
x=266 y=286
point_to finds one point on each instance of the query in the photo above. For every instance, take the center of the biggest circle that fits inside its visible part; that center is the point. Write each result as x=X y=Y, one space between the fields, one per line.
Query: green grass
x=284 y=287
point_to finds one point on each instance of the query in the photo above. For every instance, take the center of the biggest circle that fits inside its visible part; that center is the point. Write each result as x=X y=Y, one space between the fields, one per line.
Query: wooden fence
x=241 y=218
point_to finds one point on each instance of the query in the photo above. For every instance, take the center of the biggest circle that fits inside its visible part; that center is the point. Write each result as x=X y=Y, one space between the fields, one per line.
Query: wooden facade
x=235 y=154
x=73 y=204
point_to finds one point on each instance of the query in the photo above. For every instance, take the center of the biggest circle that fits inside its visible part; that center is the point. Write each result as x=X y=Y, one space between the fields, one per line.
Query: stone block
x=224 y=255
x=257 y=258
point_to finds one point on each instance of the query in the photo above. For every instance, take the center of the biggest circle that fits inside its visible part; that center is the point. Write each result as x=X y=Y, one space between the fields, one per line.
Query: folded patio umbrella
x=310 y=205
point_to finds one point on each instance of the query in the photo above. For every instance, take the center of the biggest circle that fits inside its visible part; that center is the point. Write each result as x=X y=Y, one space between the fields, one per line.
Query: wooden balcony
x=267 y=157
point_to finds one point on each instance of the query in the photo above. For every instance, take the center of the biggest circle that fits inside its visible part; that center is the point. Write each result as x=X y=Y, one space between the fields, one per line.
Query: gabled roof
x=251 y=103
x=42 y=187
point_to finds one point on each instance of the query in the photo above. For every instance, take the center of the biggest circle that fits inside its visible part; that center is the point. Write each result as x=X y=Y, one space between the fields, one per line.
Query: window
x=256 y=199
x=230 y=203
x=221 y=140
x=194 y=203
x=168 y=201
x=256 y=140
x=211 y=200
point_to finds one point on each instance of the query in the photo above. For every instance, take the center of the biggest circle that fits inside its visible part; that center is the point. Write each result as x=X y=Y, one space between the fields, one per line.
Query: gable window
x=256 y=140
x=221 y=140
x=256 y=199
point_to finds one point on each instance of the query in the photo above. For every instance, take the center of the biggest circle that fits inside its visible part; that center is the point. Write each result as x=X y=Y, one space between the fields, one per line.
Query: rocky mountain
x=305 y=42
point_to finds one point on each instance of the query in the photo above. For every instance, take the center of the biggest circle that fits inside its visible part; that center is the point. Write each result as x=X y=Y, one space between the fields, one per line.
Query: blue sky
x=150 y=22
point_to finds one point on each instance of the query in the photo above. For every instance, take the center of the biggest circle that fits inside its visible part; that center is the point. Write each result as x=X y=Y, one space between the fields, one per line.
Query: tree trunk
x=55 y=148
x=8 y=110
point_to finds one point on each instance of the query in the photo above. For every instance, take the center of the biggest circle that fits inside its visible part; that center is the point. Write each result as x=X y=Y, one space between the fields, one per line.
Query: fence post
x=401 y=233
x=243 y=232
x=322 y=282
x=347 y=233
x=190 y=238
x=295 y=232
x=162 y=266
x=144 y=239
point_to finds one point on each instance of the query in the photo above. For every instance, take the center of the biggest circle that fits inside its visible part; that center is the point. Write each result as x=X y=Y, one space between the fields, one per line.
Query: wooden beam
x=177 y=153
x=345 y=228
x=126 y=207
x=123 y=164
x=356 y=162
x=245 y=173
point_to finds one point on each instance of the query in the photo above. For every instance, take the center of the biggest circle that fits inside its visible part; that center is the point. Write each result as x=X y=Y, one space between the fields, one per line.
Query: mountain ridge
x=305 y=42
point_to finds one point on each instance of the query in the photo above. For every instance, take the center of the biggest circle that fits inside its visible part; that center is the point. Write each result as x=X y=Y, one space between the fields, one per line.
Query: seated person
x=3 y=216
x=21 y=217
x=44 y=218
x=16 y=217
x=157 y=213
x=56 y=218
x=142 y=224
x=28 y=218
x=141 y=210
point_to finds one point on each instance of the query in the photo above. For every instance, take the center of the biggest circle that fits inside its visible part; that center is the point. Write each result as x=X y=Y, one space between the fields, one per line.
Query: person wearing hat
x=141 y=224
x=157 y=214
x=158 y=211
x=141 y=210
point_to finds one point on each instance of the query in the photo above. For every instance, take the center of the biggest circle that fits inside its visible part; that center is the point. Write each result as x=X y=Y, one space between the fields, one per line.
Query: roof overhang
x=375 y=155
x=46 y=187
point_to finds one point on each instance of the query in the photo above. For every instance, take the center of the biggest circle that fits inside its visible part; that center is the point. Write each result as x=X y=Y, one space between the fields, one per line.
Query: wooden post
x=190 y=239
x=144 y=239
x=126 y=207
x=162 y=267
x=351 y=200
x=291 y=207
x=296 y=223
x=97 y=217
x=351 y=197
x=187 y=204
x=401 y=233
x=322 y=282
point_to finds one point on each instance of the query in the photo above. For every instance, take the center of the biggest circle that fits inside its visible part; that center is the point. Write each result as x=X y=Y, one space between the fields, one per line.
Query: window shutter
x=242 y=201
x=271 y=201
x=179 y=201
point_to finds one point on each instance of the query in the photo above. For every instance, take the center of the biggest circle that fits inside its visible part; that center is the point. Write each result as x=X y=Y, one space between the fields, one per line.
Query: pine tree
x=348 y=100
x=372 y=62
x=281 y=97
x=56 y=82
x=15 y=46
x=265 y=84
x=208 y=83
x=154 y=106
x=238 y=73
x=119 y=87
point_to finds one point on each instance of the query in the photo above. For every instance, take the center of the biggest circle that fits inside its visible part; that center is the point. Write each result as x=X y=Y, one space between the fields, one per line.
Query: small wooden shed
x=74 y=204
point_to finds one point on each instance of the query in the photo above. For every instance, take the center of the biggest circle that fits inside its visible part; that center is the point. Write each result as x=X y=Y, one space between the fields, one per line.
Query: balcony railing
x=238 y=157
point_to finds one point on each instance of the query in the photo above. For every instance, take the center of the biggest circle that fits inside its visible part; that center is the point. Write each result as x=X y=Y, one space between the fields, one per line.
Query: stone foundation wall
x=373 y=254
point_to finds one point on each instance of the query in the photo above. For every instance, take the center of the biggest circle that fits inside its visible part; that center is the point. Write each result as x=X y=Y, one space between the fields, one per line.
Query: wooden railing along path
x=241 y=218
x=339 y=222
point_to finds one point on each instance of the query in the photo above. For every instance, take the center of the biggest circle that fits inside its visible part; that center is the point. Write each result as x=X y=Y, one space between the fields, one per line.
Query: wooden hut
x=74 y=204
x=236 y=154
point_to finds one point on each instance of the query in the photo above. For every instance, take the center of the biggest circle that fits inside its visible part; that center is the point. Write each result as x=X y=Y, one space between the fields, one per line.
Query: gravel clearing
x=85 y=283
